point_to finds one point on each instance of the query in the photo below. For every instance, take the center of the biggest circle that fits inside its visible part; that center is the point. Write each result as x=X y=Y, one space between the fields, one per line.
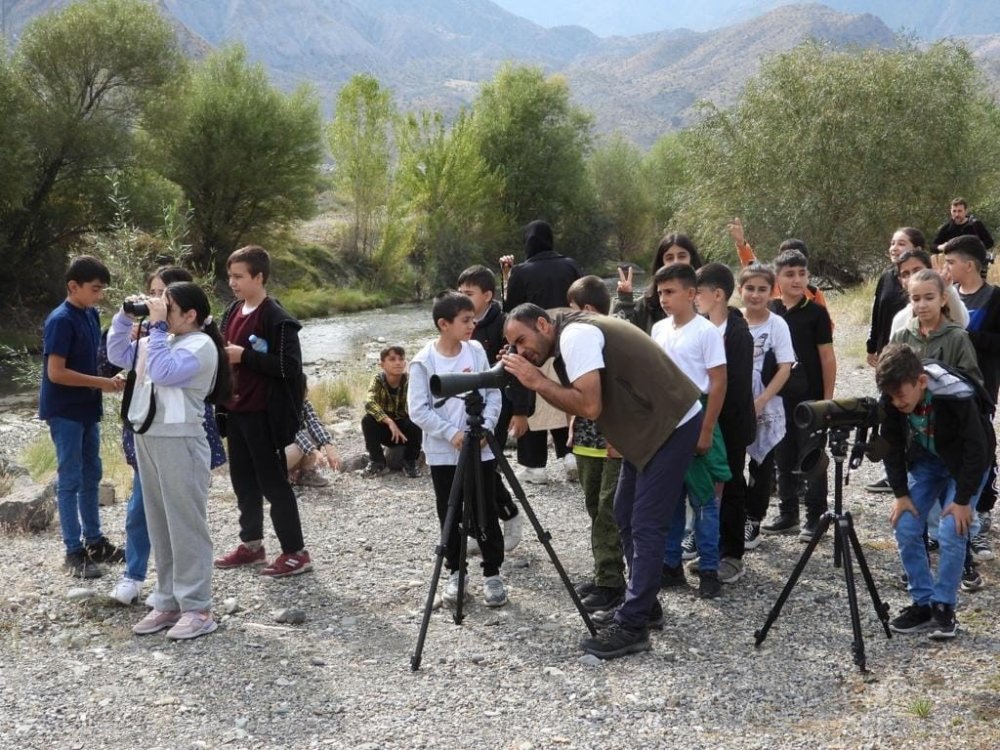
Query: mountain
x=929 y=19
x=436 y=53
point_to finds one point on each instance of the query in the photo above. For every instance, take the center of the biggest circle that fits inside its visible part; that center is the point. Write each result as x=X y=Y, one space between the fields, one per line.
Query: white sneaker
x=126 y=591
x=534 y=475
x=494 y=593
x=512 y=532
x=569 y=463
x=450 y=593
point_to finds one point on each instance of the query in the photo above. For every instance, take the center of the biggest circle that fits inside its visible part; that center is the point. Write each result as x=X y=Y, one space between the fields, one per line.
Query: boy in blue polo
x=70 y=402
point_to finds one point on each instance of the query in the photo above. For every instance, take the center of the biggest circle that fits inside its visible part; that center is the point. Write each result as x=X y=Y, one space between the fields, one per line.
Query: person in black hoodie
x=263 y=415
x=479 y=284
x=890 y=298
x=938 y=448
x=736 y=420
x=543 y=279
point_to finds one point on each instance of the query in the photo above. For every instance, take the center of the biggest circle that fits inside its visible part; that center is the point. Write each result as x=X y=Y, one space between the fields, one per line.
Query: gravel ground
x=73 y=676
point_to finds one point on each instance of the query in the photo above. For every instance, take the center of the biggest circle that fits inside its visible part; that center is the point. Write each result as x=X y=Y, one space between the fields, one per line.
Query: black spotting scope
x=453 y=383
x=840 y=412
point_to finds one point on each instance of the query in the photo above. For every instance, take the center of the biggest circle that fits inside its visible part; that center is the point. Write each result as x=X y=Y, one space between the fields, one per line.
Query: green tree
x=83 y=78
x=839 y=148
x=665 y=177
x=616 y=168
x=536 y=141
x=359 y=143
x=245 y=155
x=443 y=213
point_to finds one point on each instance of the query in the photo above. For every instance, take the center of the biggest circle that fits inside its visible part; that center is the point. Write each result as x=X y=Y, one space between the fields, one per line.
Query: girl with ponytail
x=180 y=365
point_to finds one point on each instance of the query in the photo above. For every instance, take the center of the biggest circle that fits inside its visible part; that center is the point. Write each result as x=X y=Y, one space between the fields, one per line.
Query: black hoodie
x=737 y=420
x=545 y=276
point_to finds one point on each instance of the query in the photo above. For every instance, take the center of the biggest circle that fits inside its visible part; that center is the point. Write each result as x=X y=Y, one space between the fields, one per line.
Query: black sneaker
x=689 y=548
x=78 y=565
x=709 y=585
x=103 y=551
x=617 y=640
x=913 y=619
x=972 y=580
x=944 y=626
x=672 y=577
x=604 y=598
x=655 y=618
x=980 y=547
x=751 y=534
x=932 y=545
x=410 y=469
x=808 y=530
x=584 y=587
x=374 y=468
x=783 y=523
x=881 y=485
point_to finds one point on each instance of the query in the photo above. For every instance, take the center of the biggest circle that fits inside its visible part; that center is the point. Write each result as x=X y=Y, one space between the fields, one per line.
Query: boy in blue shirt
x=70 y=402
x=939 y=448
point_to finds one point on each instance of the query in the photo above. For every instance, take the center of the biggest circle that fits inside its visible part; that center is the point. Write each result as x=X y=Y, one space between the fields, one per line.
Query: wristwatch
x=160 y=325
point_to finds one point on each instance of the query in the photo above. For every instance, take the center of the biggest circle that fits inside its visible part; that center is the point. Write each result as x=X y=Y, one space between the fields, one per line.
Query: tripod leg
x=439 y=553
x=881 y=608
x=858 y=646
x=543 y=536
x=469 y=478
x=761 y=634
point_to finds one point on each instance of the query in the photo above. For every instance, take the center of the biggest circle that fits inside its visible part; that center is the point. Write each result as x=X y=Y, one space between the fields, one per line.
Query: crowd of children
x=934 y=343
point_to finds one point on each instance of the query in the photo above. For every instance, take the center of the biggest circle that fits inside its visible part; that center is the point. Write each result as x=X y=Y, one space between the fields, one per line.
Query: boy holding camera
x=939 y=448
x=444 y=434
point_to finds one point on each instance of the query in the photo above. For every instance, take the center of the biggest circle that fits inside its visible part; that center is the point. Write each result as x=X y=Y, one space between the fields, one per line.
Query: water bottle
x=258 y=344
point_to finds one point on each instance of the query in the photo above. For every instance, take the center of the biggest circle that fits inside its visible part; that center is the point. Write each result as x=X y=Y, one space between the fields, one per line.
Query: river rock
x=394 y=457
x=291 y=616
x=28 y=507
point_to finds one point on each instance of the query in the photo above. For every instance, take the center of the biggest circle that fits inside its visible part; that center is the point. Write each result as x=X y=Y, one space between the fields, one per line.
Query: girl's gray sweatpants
x=175 y=476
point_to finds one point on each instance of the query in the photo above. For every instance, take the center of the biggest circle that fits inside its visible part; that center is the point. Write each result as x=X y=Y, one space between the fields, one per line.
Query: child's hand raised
x=625 y=279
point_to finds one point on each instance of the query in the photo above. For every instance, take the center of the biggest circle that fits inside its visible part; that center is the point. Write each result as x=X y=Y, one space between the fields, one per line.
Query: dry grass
x=39 y=458
x=348 y=389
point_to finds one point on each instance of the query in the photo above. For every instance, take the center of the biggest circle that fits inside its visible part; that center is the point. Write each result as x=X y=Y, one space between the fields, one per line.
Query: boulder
x=28 y=507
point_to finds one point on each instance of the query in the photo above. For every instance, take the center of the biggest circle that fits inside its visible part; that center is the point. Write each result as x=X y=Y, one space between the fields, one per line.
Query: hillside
x=436 y=53
x=929 y=19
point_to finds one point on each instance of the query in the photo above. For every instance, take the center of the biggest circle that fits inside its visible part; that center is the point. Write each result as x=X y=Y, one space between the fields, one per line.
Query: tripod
x=845 y=540
x=468 y=474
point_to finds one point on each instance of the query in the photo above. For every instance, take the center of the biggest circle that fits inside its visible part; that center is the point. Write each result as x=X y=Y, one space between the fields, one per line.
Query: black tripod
x=468 y=474
x=845 y=539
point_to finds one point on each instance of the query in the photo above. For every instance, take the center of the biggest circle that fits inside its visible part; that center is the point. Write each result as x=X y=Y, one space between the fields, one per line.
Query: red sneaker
x=241 y=556
x=288 y=564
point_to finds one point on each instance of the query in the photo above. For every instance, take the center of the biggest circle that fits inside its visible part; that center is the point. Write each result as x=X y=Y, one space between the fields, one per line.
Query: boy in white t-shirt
x=444 y=433
x=697 y=348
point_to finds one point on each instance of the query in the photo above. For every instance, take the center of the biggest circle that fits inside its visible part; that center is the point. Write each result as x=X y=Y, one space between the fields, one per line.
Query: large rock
x=28 y=507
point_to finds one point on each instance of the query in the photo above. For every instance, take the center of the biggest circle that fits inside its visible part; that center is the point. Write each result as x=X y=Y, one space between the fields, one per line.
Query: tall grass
x=39 y=458
x=349 y=389
x=324 y=301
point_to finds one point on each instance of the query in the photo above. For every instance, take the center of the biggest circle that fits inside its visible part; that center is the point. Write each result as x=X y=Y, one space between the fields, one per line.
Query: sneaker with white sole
x=981 y=548
x=533 y=475
x=731 y=569
x=155 y=621
x=450 y=594
x=569 y=463
x=288 y=564
x=192 y=625
x=126 y=591
x=751 y=534
x=494 y=593
x=513 y=530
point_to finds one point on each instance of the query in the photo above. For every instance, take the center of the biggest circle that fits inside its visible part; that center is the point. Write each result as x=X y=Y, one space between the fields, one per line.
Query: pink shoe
x=192 y=625
x=155 y=621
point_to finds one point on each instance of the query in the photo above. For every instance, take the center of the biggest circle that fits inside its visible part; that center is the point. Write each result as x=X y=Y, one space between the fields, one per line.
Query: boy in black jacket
x=965 y=257
x=938 y=448
x=736 y=420
x=479 y=284
x=263 y=415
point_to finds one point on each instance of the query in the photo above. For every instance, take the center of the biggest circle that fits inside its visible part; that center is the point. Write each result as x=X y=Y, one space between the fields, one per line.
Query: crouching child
x=938 y=448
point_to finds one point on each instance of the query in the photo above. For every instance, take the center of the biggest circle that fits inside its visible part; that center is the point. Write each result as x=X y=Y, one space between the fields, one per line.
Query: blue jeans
x=929 y=481
x=78 y=458
x=136 y=534
x=706 y=535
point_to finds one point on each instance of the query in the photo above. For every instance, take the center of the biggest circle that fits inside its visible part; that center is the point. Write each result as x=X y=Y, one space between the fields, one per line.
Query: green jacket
x=949 y=344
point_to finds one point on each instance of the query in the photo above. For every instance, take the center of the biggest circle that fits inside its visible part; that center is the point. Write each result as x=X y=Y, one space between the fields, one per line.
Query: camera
x=841 y=412
x=453 y=383
x=135 y=308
